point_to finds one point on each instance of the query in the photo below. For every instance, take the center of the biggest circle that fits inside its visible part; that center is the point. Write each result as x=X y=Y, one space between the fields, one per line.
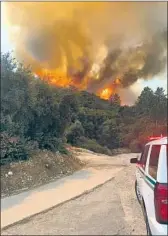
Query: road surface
x=111 y=209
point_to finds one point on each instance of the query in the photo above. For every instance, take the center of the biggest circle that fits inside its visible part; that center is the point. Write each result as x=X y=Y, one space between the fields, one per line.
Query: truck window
x=153 y=161
x=144 y=156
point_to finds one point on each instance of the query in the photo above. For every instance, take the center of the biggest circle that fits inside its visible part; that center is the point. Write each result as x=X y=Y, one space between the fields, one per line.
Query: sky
x=6 y=46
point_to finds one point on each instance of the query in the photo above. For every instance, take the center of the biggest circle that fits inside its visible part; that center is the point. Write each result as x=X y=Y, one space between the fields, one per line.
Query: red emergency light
x=155 y=137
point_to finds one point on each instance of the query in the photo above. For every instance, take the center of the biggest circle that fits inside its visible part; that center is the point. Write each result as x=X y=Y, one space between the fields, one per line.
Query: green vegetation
x=35 y=115
x=93 y=145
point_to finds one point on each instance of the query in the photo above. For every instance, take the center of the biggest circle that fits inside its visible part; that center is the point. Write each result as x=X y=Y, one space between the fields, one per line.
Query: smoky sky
x=144 y=61
x=53 y=33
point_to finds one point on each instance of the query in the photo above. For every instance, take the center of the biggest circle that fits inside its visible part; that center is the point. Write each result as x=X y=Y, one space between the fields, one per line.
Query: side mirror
x=133 y=160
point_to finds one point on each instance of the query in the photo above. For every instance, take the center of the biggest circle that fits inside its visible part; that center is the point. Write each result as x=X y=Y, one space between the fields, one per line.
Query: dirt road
x=111 y=209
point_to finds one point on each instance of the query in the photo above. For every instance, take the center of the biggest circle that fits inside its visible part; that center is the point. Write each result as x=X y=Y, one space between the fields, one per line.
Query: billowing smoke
x=69 y=36
x=142 y=61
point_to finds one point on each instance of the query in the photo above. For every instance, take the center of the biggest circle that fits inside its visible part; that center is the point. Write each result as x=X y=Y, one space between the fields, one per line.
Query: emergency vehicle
x=151 y=185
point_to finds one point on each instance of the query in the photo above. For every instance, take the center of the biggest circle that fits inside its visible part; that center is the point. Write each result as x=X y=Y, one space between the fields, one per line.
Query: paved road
x=111 y=209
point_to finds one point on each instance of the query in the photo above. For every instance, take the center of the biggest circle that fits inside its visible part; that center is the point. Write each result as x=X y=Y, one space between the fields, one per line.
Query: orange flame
x=60 y=78
x=57 y=78
x=106 y=93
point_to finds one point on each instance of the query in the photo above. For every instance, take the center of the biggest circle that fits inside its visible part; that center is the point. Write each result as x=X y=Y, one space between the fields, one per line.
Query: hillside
x=38 y=116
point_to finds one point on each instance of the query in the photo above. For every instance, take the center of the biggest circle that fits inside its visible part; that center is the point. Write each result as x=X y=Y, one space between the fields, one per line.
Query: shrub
x=92 y=145
x=63 y=150
x=52 y=144
x=135 y=146
x=13 y=149
x=49 y=143
x=75 y=132
x=126 y=139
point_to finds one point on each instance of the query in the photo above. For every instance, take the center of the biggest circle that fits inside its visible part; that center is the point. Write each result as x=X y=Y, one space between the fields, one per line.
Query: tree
x=109 y=134
x=145 y=102
x=115 y=100
x=92 y=119
x=68 y=107
x=159 y=108
x=16 y=97
x=46 y=117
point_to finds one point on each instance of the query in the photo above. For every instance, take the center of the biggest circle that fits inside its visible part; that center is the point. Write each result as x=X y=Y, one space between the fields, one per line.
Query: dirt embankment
x=41 y=168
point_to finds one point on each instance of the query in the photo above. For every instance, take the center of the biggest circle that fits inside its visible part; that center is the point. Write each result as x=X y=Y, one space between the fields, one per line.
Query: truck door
x=142 y=166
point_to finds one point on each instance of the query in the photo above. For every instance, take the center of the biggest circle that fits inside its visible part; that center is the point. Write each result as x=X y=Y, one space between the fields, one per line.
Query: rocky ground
x=41 y=168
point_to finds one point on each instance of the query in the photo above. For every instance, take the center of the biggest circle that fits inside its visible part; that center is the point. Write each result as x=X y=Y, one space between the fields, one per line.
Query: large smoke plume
x=70 y=36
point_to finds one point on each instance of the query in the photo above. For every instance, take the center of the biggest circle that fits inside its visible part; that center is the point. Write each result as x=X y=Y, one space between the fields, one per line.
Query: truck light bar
x=155 y=137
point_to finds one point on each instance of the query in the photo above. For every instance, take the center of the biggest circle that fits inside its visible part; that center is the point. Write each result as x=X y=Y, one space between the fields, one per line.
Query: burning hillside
x=61 y=79
x=99 y=47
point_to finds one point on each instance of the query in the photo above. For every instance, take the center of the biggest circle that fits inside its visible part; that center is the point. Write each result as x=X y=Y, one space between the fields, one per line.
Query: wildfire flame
x=60 y=78
x=106 y=93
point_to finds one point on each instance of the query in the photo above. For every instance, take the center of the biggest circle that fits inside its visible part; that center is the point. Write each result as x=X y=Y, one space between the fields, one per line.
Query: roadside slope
x=42 y=168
